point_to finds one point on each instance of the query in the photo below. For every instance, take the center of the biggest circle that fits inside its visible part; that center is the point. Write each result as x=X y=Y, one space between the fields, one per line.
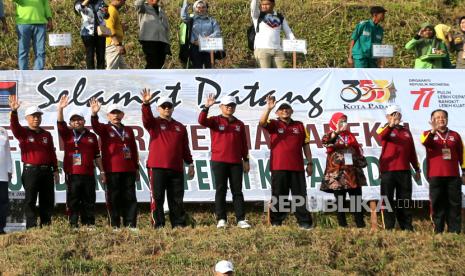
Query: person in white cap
x=397 y=155
x=120 y=159
x=229 y=157
x=6 y=171
x=168 y=152
x=40 y=166
x=289 y=139
x=81 y=155
x=223 y=268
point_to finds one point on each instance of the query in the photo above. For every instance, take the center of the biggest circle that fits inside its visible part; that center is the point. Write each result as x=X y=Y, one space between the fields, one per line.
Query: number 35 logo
x=424 y=97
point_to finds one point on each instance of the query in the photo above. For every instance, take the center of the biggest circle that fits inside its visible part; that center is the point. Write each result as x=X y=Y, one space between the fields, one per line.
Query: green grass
x=262 y=250
x=326 y=25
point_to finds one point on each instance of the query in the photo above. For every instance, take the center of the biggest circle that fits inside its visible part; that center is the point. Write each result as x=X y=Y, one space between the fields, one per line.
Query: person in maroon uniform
x=397 y=155
x=120 y=162
x=40 y=167
x=229 y=157
x=444 y=157
x=81 y=151
x=288 y=139
x=168 y=150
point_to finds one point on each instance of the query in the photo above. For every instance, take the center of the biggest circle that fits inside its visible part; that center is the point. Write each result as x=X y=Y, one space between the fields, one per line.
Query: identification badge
x=77 y=159
x=348 y=159
x=446 y=155
x=126 y=153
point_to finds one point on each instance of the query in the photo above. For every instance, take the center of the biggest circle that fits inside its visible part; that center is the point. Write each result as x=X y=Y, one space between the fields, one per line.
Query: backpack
x=251 y=31
x=185 y=30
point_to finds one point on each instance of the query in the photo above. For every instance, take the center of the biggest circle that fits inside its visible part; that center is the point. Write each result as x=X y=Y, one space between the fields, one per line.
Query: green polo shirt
x=32 y=11
x=366 y=34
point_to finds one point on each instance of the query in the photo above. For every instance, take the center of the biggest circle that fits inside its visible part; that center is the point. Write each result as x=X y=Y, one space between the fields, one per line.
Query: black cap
x=377 y=9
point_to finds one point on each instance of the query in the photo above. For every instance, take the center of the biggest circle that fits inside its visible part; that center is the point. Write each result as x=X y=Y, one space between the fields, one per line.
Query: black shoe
x=2 y=232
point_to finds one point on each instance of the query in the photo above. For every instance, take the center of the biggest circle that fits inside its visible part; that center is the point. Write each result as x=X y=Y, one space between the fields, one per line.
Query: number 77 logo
x=424 y=96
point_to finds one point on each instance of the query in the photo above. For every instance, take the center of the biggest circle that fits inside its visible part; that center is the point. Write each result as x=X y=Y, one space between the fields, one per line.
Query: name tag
x=348 y=161
x=77 y=159
x=446 y=154
x=126 y=153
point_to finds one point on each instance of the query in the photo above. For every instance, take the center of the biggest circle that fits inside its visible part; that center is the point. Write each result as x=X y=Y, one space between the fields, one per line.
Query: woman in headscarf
x=344 y=168
x=430 y=52
x=203 y=25
x=93 y=13
x=458 y=44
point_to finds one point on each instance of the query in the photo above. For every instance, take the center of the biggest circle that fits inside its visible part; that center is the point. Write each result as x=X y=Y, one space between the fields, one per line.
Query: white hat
x=33 y=109
x=224 y=267
x=163 y=100
x=228 y=100
x=113 y=107
x=196 y=3
x=393 y=108
x=281 y=103
x=76 y=113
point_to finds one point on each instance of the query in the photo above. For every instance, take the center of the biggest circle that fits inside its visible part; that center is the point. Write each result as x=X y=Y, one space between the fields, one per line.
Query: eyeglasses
x=166 y=106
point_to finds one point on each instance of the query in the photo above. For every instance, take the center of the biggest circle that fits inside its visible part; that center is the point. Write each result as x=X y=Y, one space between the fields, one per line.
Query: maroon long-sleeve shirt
x=36 y=146
x=112 y=146
x=228 y=138
x=169 y=143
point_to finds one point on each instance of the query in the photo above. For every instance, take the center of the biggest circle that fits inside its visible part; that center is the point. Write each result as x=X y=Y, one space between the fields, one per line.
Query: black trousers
x=80 y=199
x=95 y=47
x=155 y=53
x=446 y=203
x=121 y=198
x=355 y=195
x=199 y=59
x=38 y=182
x=4 y=203
x=281 y=183
x=172 y=182
x=400 y=184
x=222 y=173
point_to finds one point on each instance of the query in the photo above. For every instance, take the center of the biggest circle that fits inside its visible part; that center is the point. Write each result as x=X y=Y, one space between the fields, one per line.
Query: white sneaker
x=133 y=229
x=221 y=224
x=243 y=224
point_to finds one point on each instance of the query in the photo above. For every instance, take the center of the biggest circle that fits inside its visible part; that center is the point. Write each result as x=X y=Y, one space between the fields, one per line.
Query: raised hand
x=63 y=102
x=434 y=126
x=270 y=102
x=146 y=96
x=95 y=106
x=210 y=100
x=13 y=102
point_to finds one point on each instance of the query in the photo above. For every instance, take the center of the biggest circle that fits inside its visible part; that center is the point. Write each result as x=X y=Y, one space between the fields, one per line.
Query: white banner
x=316 y=94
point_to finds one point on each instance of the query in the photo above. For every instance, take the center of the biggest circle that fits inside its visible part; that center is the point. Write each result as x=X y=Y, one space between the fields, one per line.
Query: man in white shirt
x=268 y=25
x=5 y=176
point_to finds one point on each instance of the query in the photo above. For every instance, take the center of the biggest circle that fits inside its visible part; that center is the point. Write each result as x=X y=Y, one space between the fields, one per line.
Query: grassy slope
x=326 y=25
x=262 y=250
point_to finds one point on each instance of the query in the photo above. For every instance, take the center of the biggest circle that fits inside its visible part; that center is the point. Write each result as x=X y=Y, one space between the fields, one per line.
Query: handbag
x=103 y=30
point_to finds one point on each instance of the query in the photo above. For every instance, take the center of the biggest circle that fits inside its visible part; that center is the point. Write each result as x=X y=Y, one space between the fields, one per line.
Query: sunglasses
x=166 y=106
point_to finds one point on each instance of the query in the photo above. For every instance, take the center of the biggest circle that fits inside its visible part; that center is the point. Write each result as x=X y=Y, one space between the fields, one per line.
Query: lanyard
x=444 y=140
x=121 y=135
x=344 y=139
x=77 y=138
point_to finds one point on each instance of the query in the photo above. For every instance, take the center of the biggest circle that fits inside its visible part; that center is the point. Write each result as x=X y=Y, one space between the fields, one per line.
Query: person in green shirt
x=367 y=33
x=33 y=19
x=430 y=52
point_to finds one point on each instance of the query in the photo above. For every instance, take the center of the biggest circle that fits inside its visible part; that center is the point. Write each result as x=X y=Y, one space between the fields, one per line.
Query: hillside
x=326 y=25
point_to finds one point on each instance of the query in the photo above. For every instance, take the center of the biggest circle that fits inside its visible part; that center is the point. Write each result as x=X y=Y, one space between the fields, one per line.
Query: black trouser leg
x=159 y=181
x=129 y=199
x=29 y=178
x=404 y=200
x=46 y=197
x=175 y=196
x=454 y=204
x=114 y=198
x=355 y=196
x=73 y=203
x=100 y=52
x=3 y=204
x=438 y=198
x=199 y=59
x=90 y=44
x=155 y=54
x=235 y=184
x=299 y=190
x=280 y=187
x=340 y=196
x=221 y=174
x=88 y=200
x=388 y=186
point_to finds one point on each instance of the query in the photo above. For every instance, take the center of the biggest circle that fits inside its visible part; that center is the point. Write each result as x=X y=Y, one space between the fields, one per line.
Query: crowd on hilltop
x=103 y=35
